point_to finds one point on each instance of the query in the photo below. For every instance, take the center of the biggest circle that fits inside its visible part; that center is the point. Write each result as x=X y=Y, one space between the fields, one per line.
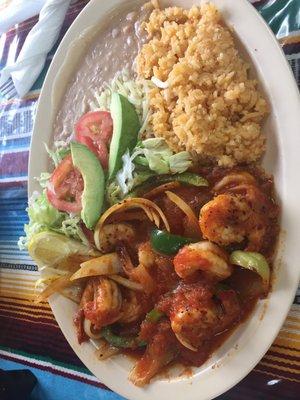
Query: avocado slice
x=126 y=126
x=94 y=182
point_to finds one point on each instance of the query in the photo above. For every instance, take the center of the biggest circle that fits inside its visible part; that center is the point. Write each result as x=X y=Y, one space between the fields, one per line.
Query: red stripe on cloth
x=8 y=41
x=259 y=3
x=18 y=104
x=22 y=27
x=32 y=315
x=33 y=333
x=283 y=370
x=30 y=305
x=37 y=339
x=9 y=185
x=294 y=369
x=53 y=351
x=287 y=357
x=14 y=164
x=54 y=371
x=291 y=48
x=285 y=347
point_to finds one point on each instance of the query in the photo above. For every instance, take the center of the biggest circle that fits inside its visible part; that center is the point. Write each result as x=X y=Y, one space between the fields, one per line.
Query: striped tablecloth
x=29 y=334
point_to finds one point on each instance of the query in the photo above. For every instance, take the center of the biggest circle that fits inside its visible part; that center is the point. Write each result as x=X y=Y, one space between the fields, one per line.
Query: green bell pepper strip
x=255 y=262
x=187 y=178
x=154 y=315
x=166 y=243
x=122 y=342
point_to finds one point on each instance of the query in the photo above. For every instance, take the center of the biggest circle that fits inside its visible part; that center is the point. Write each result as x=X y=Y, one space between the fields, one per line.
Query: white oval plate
x=242 y=351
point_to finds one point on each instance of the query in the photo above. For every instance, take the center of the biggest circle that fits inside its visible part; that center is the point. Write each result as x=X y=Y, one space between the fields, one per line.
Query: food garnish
x=125 y=130
x=255 y=262
x=166 y=243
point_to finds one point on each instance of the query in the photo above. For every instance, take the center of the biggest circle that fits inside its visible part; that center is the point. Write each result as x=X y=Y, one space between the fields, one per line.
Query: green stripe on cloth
x=50 y=368
x=38 y=359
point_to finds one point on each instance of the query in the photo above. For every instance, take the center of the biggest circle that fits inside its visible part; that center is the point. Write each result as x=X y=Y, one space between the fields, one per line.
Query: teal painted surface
x=283 y=16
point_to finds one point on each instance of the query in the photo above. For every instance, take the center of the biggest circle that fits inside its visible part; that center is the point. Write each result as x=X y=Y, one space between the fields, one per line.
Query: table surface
x=29 y=335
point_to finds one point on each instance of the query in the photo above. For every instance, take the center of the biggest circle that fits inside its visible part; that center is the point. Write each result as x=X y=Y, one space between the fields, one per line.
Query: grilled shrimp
x=112 y=234
x=146 y=255
x=245 y=185
x=203 y=256
x=131 y=309
x=154 y=271
x=161 y=350
x=101 y=302
x=140 y=273
x=190 y=324
x=255 y=198
x=228 y=218
x=195 y=316
x=191 y=313
x=193 y=325
x=233 y=179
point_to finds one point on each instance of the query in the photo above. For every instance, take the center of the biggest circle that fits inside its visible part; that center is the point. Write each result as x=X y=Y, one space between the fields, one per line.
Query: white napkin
x=18 y=11
x=37 y=45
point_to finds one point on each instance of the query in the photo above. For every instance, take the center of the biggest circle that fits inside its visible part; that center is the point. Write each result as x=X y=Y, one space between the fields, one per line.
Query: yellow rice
x=210 y=105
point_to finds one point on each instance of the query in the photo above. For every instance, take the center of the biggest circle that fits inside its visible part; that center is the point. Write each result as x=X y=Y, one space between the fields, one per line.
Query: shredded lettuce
x=136 y=91
x=114 y=193
x=61 y=150
x=42 y=212
x=43 y=217
x=180 y=162
x=59 y=153
x=158 y=144
x=71 y=227
x=30 y=230
x=43 y=179
x=125 y=176
x=160 y=158
x=149 y=158
x=157 y=162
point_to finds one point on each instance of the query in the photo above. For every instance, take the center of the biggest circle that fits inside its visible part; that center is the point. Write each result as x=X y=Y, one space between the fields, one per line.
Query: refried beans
x=114 y=48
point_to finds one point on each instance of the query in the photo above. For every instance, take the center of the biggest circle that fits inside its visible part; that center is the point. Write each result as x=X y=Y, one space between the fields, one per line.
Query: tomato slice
x=65 y=187
x=94 y=129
